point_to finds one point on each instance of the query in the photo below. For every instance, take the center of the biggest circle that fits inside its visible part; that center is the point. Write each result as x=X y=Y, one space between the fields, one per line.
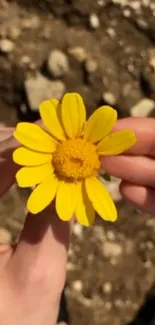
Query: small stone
x=70 y=252
x=142 y=24
x=14 y=33
x=94 y=21
x=118 y=303
x=78 y=53
x=109 y=98
x=25 y=60
x=150 y=245
x=31 y=23
x=107 y=287
x=6 y=46
x=99 y=233
x=90 y=65
x=5 y=236
x=148 y=264
x=113 y=188
x=150 y=222
x=39 y=88
x=78 y=230
x=108 y=305
x=143 y=108
x=111 y=32
x=71 y=267
x=110 y=235
x=100 y=2
x=135 y=5
x=111 y=249
x=127 y=13
x=77 y=285
x=57 y=64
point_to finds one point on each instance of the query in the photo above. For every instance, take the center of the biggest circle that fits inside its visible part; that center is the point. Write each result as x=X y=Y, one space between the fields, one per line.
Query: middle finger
x=135 y=169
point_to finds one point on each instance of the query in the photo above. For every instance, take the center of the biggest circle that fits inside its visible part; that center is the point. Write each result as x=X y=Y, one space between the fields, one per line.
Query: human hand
x=32 y=274
x=137 y=167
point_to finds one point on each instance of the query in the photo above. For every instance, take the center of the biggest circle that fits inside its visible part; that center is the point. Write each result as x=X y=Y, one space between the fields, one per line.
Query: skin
x=32 y=275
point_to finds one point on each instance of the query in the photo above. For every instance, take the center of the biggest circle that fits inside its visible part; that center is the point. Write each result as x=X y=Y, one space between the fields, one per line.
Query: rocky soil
x=105 y=50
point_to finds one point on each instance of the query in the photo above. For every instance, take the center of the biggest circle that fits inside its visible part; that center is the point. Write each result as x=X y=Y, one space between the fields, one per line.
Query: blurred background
x=105 y=50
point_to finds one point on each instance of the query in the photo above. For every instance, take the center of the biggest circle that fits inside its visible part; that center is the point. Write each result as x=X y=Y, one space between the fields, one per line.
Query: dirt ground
x=110 y=50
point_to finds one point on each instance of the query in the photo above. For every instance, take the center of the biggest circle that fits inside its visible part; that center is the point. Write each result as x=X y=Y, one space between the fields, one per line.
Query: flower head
x=63 y=159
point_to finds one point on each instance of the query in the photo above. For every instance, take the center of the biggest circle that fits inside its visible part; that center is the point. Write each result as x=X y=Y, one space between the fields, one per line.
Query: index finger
x=144 y=129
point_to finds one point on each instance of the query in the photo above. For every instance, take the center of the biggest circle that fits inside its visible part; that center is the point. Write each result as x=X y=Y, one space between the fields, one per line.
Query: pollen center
x=76 y=159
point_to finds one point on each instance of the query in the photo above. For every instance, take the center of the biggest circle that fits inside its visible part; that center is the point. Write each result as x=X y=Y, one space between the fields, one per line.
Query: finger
x=141 y=197
x=144 y=129
x=135 y=169
x=6 y=132
x=41 y=255
x=5 y=254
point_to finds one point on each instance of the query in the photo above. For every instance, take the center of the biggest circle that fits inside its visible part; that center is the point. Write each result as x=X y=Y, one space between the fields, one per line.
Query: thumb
x=41 y=255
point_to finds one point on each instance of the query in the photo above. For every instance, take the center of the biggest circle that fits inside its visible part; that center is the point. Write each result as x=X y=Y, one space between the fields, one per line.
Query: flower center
x=76 y=159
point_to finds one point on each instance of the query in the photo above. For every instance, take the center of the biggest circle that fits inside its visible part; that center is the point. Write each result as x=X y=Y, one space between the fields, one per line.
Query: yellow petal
x=101 y=199
x=34 y=137
x=100 y=123
x=73 y=114
x=116 y=143
x=50 y=114
x=65 y=200
x=30 y=176
x=84 y=211
x=42 y=195
x=25 y=157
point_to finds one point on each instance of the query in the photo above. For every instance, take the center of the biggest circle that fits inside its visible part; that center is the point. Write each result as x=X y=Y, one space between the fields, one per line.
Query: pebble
x=148 y=264
x=111 y=32
x=99 y=233
x=6 y=46
x=111 y=249
x=110 y=235
x=135 y=5
x=14 y=33
x=90 y=65
x=94 y=21
x=71 y=267
x=142 y=24
x=150 y=222
x=31 y=23
x=5 y=236
x=77 y=285
x=109 y=98
x=150 y=245
x=25 y=60
x=78 y=53
x=39 y=88
x=78 y=230
x=108 y=305
x=57 y=64
x=143 y=108
x=113 y=188
x=107 y=287
x=118 y=303
x=127 y=13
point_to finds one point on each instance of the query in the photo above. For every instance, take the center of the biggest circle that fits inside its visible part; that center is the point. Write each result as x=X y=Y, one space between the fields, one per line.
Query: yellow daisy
x=63 y=160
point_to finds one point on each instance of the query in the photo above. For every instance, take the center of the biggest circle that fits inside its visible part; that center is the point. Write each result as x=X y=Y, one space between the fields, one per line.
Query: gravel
x=57 y=64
